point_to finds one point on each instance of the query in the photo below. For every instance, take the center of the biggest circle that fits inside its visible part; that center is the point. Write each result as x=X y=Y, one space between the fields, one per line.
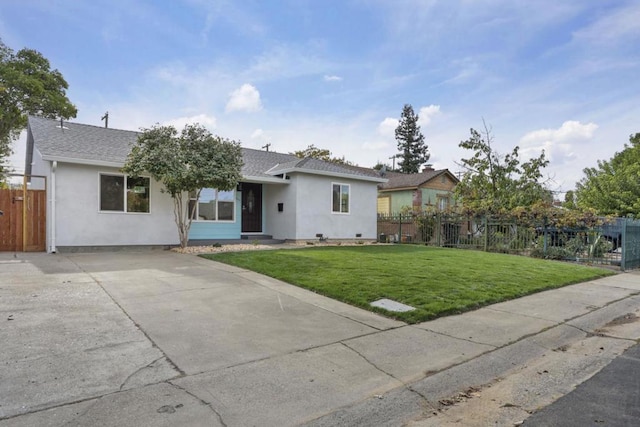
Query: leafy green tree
x=28 y=85
x=185 y=163
x=494 y=183
x=413 y=150
x=570 y=200
x=321 y=154
x=613 y=188
x=387 y=167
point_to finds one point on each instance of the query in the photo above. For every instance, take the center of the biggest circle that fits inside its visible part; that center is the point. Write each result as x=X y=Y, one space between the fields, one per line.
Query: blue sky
x=562 y=76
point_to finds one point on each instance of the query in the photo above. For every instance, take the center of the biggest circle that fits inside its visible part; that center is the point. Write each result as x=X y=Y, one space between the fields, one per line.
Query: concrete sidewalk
x=158 y=338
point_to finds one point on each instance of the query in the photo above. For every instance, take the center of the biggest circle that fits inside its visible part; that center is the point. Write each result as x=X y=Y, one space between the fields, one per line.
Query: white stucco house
x=92 y=204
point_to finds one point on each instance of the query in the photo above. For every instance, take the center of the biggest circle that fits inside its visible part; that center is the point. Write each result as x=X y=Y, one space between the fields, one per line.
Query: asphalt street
x=610 y=398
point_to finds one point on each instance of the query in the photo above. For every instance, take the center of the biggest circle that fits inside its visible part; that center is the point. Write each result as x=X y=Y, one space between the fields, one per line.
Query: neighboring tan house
x=91 y=203
x=417 y=191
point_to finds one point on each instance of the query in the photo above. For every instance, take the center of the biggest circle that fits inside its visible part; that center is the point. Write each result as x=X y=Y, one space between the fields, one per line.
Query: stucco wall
x=39 y=167
x=281 y=225
x=79 y=221
x=313 y=209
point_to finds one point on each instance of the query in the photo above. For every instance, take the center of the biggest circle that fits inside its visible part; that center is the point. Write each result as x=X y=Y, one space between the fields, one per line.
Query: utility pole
x=266 y=146
x=393 y=167
x=106 y=119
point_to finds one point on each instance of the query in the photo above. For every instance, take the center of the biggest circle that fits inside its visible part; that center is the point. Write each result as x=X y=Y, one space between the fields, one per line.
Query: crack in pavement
x=202 y=401
x=372 y=364
x=82 y=414
x=139 y=370
x=137 y=325
x=404 y=384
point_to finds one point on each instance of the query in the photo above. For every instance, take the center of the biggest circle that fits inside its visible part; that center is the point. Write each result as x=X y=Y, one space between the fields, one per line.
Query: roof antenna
x=106 y=119
x=266 y=146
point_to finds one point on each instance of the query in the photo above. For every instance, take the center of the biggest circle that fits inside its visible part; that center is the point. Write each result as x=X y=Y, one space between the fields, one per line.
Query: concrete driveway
x=159 y=338
x=157 y=333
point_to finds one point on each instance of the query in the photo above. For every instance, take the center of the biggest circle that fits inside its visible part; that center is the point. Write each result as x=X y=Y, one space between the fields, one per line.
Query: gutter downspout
x=52 y=247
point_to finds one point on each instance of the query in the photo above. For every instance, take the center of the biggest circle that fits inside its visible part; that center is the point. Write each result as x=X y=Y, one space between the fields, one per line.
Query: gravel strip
x=223 y=248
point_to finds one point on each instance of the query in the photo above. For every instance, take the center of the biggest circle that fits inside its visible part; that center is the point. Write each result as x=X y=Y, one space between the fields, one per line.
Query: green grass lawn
x=436 y=281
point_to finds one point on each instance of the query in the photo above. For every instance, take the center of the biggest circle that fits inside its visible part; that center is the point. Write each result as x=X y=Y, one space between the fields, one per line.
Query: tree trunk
x=183 y=216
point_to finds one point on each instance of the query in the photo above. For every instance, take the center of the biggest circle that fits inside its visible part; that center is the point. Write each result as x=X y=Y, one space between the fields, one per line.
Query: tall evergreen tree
x=413 y=150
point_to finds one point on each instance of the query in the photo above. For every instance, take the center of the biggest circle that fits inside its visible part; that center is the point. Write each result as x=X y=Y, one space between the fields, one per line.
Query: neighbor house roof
x=398 y=181
x=95 y=145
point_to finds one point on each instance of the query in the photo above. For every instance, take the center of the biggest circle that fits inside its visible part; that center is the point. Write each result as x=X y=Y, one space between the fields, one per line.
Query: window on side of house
x=340 y=198
x=138 y=194
x=443 y=203
x=121 y=193
x=213 y=205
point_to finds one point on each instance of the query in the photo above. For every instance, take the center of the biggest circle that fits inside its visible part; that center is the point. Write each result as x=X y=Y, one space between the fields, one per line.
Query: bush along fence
x=612 y=241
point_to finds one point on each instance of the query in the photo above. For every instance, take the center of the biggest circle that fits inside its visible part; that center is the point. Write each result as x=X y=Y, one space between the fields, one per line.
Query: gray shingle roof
x=89 y=144
x=314 y=165
x=81 y=142
x=257 y=162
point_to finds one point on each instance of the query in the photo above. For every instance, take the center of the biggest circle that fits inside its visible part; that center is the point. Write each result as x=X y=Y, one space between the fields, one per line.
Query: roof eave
x=77 y=161
x=399 y=188
x=333 y=174
x=264 y=180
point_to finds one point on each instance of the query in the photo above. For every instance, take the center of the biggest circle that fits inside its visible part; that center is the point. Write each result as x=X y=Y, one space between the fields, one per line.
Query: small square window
x=120 y=193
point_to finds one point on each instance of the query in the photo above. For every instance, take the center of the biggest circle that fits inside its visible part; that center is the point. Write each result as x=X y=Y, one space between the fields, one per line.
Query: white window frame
x=443 y=199
x=340 y=212
x=233 y=211
x=125 y=205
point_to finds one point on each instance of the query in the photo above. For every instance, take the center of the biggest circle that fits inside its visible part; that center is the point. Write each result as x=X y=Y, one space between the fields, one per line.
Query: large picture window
x=340 y=199
x=213 y=205
x=121 y=193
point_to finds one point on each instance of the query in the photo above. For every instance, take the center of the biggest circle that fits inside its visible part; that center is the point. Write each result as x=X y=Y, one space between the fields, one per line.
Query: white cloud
x=258 y=133
x=387 y=127
x=375 y=145
x=208 y=122
x=570 y=130
x=614 y=27
x=332 y=78
x=558 y=144
x=287 y=61
x=245 y=98
x=427 y=113
x=465 y=70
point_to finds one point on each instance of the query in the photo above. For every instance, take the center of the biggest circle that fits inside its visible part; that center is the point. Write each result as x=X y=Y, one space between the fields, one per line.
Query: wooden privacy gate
x=23 y=222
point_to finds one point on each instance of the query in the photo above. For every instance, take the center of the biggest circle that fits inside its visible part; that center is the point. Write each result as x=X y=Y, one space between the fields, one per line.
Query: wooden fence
x=23 y=220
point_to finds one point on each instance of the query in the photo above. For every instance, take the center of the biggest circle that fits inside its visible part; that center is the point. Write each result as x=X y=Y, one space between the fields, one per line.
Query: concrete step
x=209 y=242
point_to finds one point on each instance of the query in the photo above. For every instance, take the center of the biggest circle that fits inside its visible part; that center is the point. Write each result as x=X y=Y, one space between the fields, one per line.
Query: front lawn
x=436 y=281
